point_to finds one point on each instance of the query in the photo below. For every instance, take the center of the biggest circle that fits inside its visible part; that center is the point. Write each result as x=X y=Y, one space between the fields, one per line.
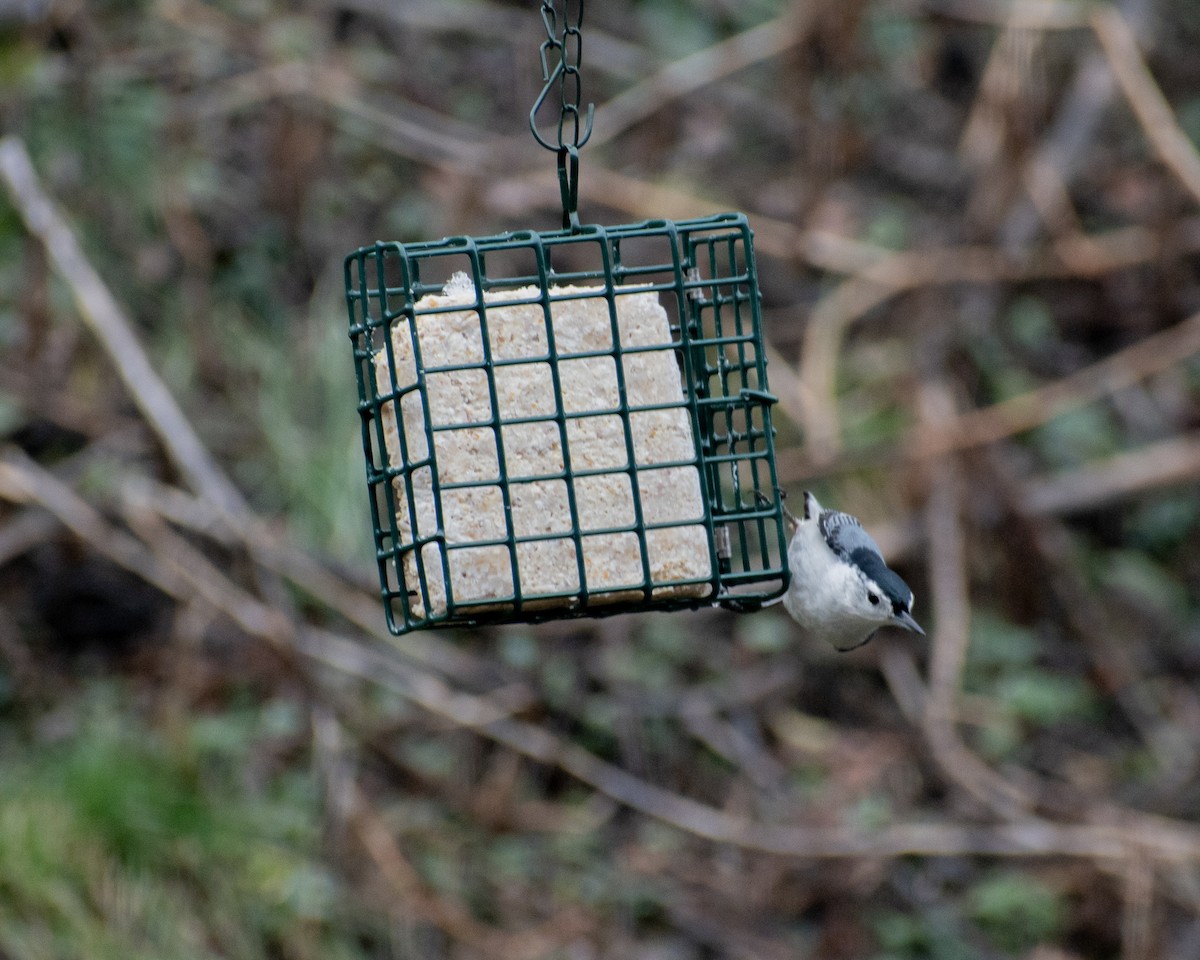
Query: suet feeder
x=567 y=423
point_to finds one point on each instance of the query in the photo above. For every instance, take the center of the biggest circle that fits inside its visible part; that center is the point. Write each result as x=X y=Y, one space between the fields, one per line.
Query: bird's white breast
x=823 y=590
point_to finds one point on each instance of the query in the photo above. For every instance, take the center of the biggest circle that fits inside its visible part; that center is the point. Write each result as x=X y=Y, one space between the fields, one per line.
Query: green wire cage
x=568 y=423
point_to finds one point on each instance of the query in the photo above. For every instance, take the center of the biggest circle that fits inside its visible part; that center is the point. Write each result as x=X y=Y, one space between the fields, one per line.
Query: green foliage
x=672 y=30
x=933 y=935
x=894 y=37
x=1031 y=322
x=1003 y=665
x=1154 y=586
x=518 y=647
x=1189 y=119
x=766 y=633
x=1160 y=524
x=117 y=843
x=1013 y=911
x=890 y=227
x=1077 y=436
x=1041 y=697
x=998 y=646
x=1016 y=911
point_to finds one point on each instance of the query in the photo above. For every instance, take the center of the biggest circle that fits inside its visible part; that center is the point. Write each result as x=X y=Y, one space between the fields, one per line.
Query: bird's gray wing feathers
x=844 y=534
x=847 y=538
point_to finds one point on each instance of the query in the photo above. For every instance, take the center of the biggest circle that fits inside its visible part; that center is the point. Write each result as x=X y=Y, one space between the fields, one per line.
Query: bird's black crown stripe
x=890 y=582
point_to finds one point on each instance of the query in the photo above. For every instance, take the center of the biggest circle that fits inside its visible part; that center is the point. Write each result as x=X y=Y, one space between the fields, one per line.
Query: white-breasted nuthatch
x=841 y=589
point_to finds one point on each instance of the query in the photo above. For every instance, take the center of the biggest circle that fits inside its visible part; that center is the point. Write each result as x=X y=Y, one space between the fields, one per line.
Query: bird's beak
x=905 y=619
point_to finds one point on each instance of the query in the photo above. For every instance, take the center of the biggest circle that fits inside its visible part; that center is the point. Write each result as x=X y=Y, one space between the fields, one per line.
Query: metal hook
x=568 y=186
x=551 y=77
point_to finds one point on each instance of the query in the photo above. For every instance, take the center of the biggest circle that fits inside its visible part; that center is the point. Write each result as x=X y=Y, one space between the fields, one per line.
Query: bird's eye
x=874 y=598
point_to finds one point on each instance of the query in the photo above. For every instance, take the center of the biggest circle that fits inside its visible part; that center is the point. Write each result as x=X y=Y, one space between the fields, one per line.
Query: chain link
x=561 y=54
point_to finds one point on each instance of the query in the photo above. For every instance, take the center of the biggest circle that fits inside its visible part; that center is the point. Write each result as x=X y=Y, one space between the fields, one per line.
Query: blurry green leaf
x=136 y=799
x=889 y=228
x=996 y=643
x=764 y=632
x=1016 y=911
x=1133 y=573
x=599 y=714
x=871 y=415
x=1189 y=119
x=1009 y=381
x=669 y=636
x=637 y=664
x=228 y=734
x=1042 y=697
x=11 y=415
x=932 y=935
x=559 y=674
x=513 y=858
x=291 y=884
x=1031 y=322
x=672 y=30
x=1076 y=436
x=442 y=872
x=872 y=812
x=892 y=36
x=18 y=60
x=280 y=717
x=518 y=648
x=432 y=757
x=125 y=142
x=999 y=738
x=291 y=37
x=1165 y=521
x=901 y=934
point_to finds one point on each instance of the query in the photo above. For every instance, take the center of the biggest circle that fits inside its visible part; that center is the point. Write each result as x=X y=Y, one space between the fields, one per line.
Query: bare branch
x=1149 y=105
x=108 y=323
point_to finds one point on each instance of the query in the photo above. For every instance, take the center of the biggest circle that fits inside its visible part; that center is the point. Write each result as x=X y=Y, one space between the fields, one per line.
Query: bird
x=841 y=589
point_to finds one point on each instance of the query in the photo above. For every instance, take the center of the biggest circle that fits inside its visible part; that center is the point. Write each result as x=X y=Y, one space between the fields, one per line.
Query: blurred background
x=979 y=245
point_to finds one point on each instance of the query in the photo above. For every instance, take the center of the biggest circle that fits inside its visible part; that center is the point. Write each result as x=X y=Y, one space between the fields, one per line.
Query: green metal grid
x=703 y=274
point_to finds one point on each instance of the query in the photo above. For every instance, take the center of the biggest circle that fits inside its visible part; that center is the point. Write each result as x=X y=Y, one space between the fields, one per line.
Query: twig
x=24 y=532
x=23 y=481
x=981 y=427
x=730 y=743
x=1072 y=132
x=185 y=574
x=1000 y=86
x=1091 y=619
x=951 y=634
x=105 y=318
x=698 y=70
x=190 y=568
x=357 y=603
x=1019 y=14
x=1173 y=842
x=425 y=905
x=881 y=281
x=1137 y=930
x=904 y=680
x=1161 y=464
x=1145 y=97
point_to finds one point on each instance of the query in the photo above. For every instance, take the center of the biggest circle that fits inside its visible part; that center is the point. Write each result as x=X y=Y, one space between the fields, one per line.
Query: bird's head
x=882 y=600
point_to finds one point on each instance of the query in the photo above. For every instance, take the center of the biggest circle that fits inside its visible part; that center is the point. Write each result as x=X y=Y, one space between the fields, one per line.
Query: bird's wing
x=844 y=534
x=847 y=538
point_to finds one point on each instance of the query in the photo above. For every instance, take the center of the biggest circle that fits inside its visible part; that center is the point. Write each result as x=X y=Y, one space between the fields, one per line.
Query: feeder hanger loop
x=567 y=46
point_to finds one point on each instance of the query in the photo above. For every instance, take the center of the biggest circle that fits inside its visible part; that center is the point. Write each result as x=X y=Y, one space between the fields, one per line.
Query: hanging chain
x=564 y=47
